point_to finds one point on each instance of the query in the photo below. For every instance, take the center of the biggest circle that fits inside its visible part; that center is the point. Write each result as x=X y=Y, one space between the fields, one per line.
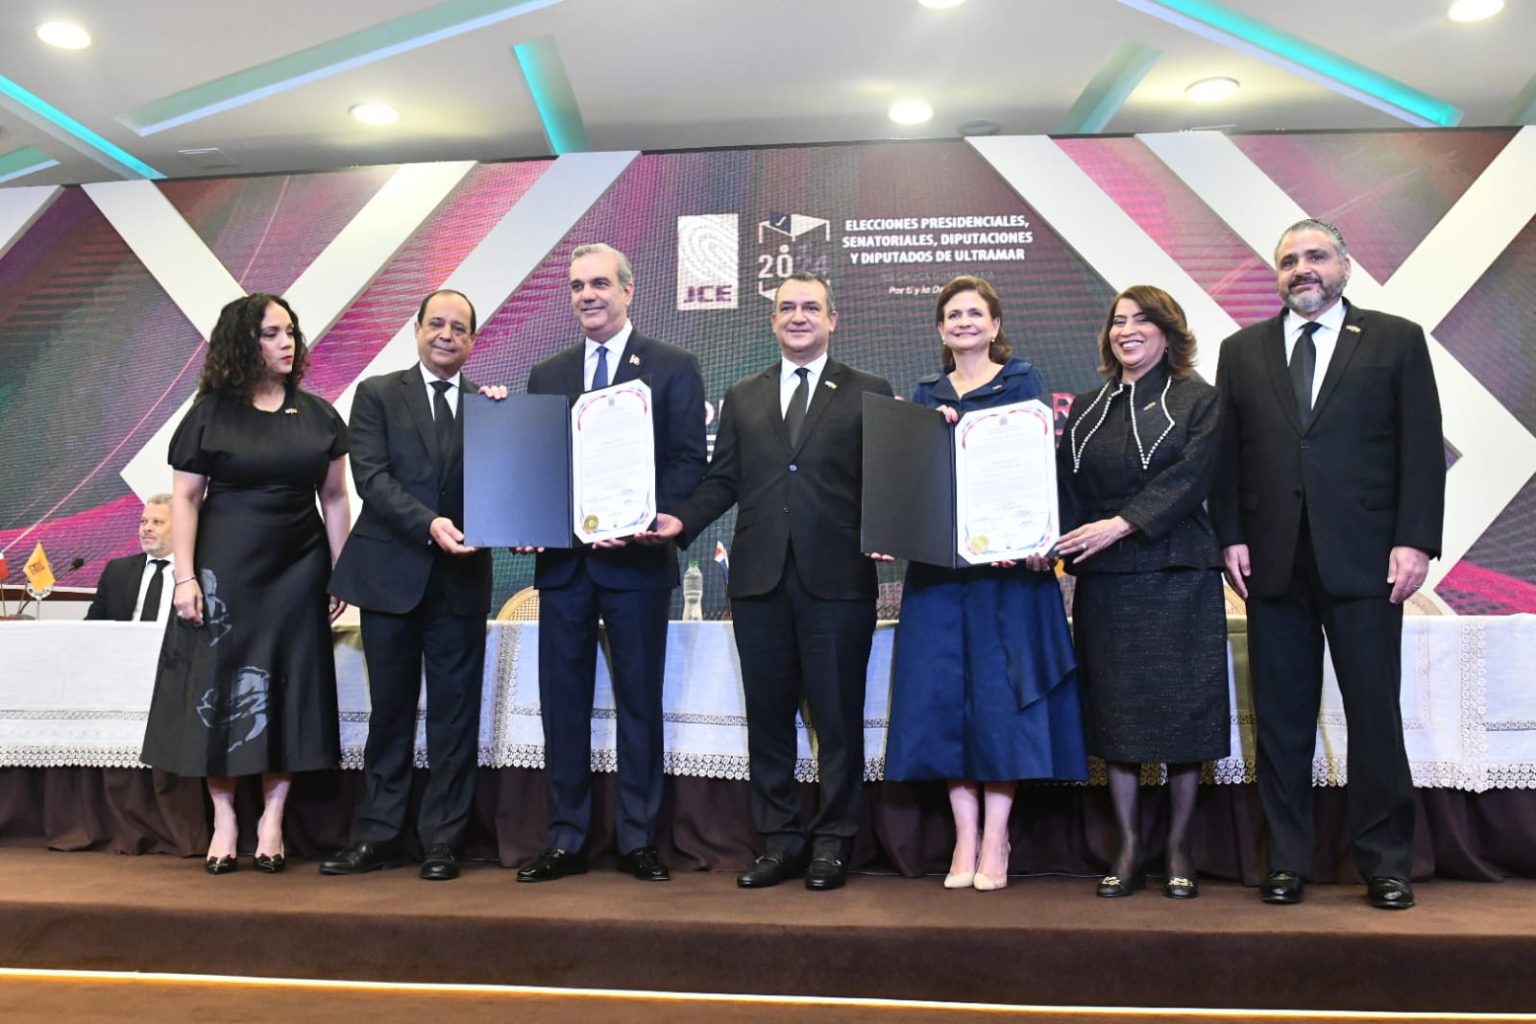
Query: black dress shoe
x=645 y=864
x=1389 y=894
x=439 y=864
x=1178 y=887
x=1281 y=887
x=1115 y=886
x=220 y=865
x=826 y=871
x=551 y=864
x=770 y=869
x=361 y=857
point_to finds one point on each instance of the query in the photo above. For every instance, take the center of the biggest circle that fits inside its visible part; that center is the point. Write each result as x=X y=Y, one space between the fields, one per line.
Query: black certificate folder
x=517 y=471
x=909 y=482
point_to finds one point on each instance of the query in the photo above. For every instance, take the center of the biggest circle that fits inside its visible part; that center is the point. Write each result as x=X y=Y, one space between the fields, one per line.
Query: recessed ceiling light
x=939 y=5
x=376 y=113
x=980 y=126
x=911 y=112
x=1211 y=90
x=1474 y=10
x=64 y=35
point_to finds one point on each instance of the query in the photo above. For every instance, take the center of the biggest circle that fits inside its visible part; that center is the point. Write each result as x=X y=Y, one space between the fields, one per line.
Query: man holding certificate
x=628 y=586
x=789 y=455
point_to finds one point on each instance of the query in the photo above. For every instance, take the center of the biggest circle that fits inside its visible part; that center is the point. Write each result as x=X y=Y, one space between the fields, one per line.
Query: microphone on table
x=74 y=563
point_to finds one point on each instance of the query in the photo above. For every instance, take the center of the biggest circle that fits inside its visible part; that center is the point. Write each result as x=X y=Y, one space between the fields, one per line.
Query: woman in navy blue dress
x=984 y=691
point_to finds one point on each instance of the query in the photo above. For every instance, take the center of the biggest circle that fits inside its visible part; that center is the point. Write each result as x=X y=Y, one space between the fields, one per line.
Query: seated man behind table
x=136 y=588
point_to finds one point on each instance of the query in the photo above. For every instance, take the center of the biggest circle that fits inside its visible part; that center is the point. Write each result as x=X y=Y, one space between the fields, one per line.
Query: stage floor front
x=1467 y=947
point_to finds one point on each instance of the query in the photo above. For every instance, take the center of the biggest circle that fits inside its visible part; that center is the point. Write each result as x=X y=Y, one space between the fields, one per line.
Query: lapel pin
x=1352 y=327
x=634 y=360
x=291 y=411
x=1149 y=406
x=829 y=384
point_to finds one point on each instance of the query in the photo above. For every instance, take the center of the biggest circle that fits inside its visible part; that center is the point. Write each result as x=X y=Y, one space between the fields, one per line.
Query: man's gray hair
x=626 y=272
x=158 y=499
x=1313 y=224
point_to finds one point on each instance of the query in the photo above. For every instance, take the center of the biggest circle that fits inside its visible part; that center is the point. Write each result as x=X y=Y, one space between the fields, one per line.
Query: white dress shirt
x=1326 y=338
x=167 y=589
x=452 y=394
x=789 y=381
x=615 y=347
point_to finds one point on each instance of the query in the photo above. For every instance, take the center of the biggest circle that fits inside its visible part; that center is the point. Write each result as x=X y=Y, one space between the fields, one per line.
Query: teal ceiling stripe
x=1110 y=87
x=42 y=114
x=21 y=162
x=552 y=95
x=411 y=32
x=1524 y=110
x=1278 y=47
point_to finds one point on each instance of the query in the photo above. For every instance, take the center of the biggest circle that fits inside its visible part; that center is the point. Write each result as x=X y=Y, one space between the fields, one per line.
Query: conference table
x=76 y=694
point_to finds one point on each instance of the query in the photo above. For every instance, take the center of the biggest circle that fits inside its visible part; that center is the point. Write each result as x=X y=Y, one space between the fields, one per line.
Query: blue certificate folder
x=517 y=471
x=908 y=505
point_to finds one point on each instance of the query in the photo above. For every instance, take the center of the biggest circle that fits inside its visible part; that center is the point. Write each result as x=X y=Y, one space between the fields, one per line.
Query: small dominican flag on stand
x=724 y=558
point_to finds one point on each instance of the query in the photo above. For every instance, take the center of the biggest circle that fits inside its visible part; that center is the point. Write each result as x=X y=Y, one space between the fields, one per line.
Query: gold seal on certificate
x=613 y=462
x=1005 y=483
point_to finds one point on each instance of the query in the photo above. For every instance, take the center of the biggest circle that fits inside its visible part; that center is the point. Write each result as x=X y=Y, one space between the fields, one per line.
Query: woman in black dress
x=247 y=681
x=1135 y=464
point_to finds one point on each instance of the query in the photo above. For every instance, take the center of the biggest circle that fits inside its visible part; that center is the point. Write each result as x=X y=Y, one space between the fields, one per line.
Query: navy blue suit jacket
x=677 y=391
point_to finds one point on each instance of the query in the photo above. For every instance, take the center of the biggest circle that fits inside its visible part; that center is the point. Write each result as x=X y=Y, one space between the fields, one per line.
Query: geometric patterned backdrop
x=106 y=291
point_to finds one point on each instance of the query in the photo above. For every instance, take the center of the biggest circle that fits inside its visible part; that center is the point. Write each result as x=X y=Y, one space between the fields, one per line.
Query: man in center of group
x=628 y=586
x=789 y=455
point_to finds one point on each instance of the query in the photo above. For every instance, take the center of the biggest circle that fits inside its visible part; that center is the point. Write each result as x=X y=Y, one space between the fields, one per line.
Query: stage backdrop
x=107 y=291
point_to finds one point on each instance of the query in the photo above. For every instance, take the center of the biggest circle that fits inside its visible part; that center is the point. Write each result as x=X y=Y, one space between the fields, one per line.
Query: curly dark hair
x=234 y=365
x=999 y=350
x=1164 y=311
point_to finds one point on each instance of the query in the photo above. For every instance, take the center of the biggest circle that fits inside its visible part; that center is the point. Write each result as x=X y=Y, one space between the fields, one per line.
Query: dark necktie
x=156 y=587
x=794 y=416
x=600 y=375
x=1303 y=365
x=442 y=418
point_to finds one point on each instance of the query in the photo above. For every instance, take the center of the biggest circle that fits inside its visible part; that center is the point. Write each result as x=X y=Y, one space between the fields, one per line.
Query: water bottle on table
x=693 y=594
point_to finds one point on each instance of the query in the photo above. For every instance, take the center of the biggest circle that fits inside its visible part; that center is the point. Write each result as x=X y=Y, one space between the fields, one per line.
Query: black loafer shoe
x=1389 y=894
x=1113 y=887
x=361 y=857
x=645 y=864
x=827 y=871
x=551 y=864
x=1180 y=888
x=439 y=864
x=769 y=870
x=1282 y=887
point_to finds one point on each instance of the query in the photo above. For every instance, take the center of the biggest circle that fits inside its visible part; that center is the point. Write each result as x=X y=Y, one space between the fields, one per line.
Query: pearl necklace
x=1144 y=453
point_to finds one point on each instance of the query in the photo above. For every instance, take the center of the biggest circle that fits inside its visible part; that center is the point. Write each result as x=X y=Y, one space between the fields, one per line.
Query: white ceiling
x=664 y=74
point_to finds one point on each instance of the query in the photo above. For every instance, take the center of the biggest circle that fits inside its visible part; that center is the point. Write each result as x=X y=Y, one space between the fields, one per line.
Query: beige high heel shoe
x=985 y=883
x=963 y=879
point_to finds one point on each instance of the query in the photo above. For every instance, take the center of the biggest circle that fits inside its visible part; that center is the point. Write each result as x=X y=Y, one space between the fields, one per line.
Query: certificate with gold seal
x=1005 y=483
x=613 y=462
x=979 y=492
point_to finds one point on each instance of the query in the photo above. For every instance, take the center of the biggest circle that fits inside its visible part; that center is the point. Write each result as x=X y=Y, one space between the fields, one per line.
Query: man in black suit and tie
x=789 y=455
x=628 y=586
x=1328 y=505
x=423 y=595
x=137 y=588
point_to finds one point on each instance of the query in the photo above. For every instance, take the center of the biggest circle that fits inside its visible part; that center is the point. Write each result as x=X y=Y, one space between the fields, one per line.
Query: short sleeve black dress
x=253 y=689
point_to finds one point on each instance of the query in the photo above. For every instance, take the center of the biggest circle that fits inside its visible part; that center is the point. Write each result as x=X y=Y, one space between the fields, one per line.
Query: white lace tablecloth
x=77 y=693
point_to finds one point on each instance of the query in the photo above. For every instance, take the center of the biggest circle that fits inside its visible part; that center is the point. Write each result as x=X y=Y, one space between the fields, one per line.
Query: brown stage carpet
x=1048 y=940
